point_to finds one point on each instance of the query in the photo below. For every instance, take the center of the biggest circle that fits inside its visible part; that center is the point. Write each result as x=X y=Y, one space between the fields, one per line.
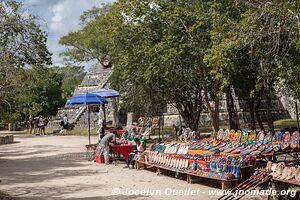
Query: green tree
x=22 y=43
x=258 y=37
x=37 y=91
x=189 y=53
x=92 y=42
x=161 y=49
x=72 y=77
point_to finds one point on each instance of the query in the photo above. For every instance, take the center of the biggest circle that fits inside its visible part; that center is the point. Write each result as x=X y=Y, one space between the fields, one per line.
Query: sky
x=58 y=18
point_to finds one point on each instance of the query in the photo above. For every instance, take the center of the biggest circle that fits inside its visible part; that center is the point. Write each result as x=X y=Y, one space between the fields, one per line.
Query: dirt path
x=54 y=167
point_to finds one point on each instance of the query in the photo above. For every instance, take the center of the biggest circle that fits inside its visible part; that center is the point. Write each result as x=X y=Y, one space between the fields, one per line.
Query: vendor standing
x=103 y=146
x=101 y=130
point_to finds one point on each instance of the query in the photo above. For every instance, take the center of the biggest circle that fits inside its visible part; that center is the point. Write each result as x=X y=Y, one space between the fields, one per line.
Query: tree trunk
x=252 y=114
x=269 y=115
x=259 y=99
x=256 y=110
x=115 y=104
x=216 y=113
x=190 y=116
x=269 y=88
x=191 y=121
x=213 y=111
x=232 y=114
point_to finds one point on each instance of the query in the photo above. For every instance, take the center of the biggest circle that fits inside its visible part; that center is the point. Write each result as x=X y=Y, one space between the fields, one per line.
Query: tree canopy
x=28 y=86
x=192 y=53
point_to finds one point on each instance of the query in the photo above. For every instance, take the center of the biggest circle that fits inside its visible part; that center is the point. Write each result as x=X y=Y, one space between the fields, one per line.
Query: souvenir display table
x=288 y=182
x=286 y=185
x=118 y=133
x=285 y=176
x=257 y=179
x=123 y=149
x=227 y=157
x=291 y=152
x=190 y=177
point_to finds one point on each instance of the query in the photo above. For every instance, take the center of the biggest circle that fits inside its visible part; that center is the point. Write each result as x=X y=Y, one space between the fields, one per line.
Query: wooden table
x=123 y=149
x=190 y=177
x=289 y=152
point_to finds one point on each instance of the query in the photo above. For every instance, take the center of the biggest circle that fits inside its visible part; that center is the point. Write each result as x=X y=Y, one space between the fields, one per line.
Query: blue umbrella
x=107 y=93
x=87 y=99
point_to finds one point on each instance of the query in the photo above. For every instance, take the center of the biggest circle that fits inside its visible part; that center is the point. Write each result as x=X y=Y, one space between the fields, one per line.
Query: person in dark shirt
x=43 y=128
x=139 y=149
x=101 y=131
x=35 y=125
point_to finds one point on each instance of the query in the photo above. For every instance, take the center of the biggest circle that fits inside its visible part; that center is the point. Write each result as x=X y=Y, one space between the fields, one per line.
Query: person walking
x=65 y=123
x=35 y=125
x=41 y=124
x=30 y=124
x=45 y=123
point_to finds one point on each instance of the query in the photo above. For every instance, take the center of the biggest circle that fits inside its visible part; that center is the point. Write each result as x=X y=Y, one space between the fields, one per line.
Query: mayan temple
x=279 y=110
x=97 y=77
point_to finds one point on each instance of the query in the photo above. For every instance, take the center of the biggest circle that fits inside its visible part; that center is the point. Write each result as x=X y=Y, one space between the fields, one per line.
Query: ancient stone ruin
x=98 y=76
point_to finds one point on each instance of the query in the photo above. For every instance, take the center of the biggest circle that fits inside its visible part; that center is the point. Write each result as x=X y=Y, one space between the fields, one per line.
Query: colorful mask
x=277 y=142
x=295 y=139
x=286 y=140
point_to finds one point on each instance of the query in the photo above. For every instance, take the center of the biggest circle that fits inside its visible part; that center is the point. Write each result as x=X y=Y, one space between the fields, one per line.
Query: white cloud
x=61 y=17
x=66 y=13
x=65 y=18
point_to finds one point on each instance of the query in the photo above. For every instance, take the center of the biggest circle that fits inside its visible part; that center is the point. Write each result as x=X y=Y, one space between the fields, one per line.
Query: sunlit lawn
x=285 y=123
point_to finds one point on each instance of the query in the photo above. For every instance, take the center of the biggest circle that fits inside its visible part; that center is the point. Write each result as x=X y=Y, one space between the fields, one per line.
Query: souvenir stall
x=279 y=174
x=285 y=177
x=117 y=132
x=281 y=179
x=283 y=144
x=230 y=156
x=120 y=148
x=257 y=179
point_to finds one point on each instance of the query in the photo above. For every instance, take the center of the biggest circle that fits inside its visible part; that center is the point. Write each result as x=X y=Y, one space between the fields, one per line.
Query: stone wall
x=289 y=104
x=278 y=112
x=6 y=139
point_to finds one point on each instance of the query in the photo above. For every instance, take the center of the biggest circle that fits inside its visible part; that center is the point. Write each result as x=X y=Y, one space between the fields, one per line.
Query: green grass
x=82 y=131
x=13 y=132
x=285 y=123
